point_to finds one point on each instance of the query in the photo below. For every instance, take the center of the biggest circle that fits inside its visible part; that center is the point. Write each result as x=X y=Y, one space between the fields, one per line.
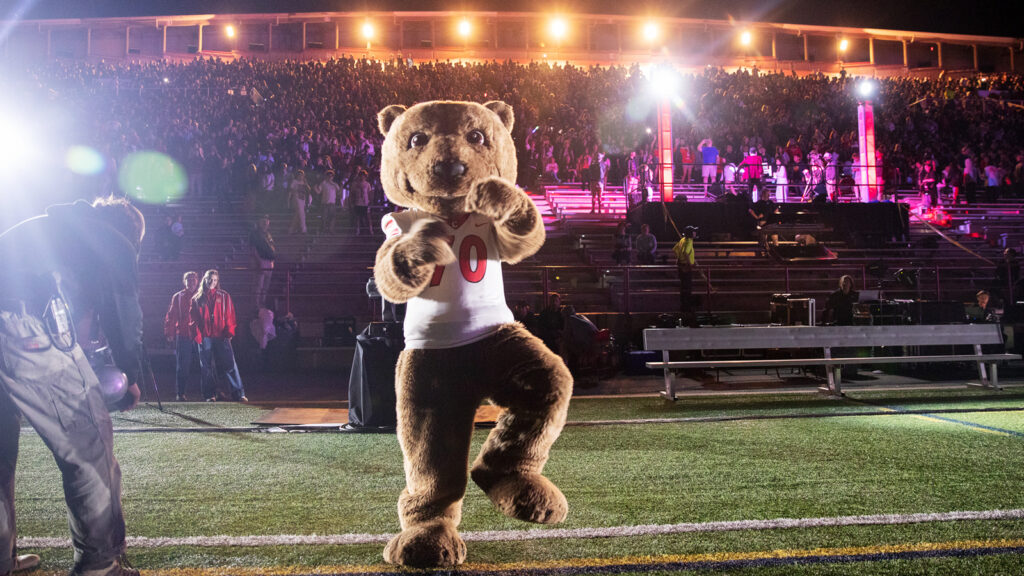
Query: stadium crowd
x=247 y=128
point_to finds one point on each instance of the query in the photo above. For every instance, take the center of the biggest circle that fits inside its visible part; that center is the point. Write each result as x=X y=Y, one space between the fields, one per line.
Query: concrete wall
x=108 y=42
x=25 y=44
x=181 y=38
x=68 y=43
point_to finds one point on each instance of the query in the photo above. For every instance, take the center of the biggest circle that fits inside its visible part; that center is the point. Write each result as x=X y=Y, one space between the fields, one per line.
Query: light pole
x=368 y=34
x=867 y=181
x=558 y=30
x=665 y=84
x=231 y=33
x=465 y=29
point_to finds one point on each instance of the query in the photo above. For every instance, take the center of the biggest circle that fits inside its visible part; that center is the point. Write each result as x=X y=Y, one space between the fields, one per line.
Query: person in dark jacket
x=264 y=253
x=623 y=245
x=839 y=305
x=62 y=272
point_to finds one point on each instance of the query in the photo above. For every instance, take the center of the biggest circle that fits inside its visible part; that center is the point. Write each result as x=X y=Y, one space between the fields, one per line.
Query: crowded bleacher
x=259 y=137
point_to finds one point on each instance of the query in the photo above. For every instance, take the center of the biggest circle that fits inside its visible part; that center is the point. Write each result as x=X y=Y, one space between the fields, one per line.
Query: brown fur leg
x=535 y=386
x=427 y=545
x=434 y=430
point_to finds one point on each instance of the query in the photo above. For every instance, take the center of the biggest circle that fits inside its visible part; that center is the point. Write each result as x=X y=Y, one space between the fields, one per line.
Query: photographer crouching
x=76 y=263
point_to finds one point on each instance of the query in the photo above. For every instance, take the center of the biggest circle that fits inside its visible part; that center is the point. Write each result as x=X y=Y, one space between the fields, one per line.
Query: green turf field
x=622 y=462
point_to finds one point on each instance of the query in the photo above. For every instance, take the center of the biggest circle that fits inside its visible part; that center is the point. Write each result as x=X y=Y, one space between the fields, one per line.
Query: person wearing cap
x=74 y=263
x=685 y=263
x=328 y=192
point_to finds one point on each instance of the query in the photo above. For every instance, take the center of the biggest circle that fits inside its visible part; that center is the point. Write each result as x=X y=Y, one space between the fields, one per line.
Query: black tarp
x=371 y=385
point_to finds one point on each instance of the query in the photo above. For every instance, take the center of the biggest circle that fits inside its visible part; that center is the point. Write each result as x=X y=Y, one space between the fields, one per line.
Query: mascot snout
x=450 y=170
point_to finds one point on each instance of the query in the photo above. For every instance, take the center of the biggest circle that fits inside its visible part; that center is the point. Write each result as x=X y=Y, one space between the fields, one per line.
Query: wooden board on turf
x=485 y=415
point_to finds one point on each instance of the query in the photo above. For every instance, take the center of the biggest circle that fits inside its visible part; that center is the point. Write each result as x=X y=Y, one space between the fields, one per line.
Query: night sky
x=984 y=17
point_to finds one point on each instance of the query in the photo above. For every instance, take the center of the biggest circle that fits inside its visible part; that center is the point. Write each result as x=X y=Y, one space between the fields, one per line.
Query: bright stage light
x=368 y=30
x=167 y=80
x=559 y=28
x=866 y=89
x=18 y=143
x=229 y=30
x=844 y=44
x=746 y=38
x=652 y=31
x=664 y=81
x=465 y=28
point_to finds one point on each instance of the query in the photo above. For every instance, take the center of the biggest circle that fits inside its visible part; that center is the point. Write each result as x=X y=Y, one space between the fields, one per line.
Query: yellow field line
x=942 y=421
x=715 y=557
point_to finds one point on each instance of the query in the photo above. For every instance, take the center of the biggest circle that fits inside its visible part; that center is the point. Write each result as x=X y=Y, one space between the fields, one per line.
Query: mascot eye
x=418 y=140
x=475 y=137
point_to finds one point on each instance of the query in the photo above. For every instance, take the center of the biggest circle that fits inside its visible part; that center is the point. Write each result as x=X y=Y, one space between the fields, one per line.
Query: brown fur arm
x=406 y=263
x=517 y=222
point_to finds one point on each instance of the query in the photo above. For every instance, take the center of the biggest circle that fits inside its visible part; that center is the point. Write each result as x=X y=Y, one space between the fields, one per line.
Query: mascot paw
x=427 y=243
x=436 y=544
x=527 y=497
x=494 y=197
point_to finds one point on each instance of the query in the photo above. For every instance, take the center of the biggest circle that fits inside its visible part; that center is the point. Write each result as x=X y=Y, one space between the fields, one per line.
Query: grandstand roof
x=949 y=16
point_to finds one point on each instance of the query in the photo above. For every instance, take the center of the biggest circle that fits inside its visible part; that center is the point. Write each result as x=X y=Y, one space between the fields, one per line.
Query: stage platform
x=486 y=416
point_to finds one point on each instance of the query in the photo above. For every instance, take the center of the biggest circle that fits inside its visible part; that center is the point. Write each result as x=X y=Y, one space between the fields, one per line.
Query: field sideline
x=879 y=483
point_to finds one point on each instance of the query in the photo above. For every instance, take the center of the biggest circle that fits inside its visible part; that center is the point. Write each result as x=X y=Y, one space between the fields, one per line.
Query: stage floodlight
x=559 y=28
x=652 y=31
x=465 y=28
x=368 y=30
x=866 y=89
x=167 y=80
x=844 y=45
x=18 y=142
x=229 y=30
x=664 y=81
x=746 y=38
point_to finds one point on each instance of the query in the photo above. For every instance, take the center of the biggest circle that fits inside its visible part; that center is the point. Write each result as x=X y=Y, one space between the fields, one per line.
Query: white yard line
x=546 y=534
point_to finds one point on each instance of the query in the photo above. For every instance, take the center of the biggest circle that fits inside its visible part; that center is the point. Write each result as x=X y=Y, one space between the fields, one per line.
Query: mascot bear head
x=434 y=152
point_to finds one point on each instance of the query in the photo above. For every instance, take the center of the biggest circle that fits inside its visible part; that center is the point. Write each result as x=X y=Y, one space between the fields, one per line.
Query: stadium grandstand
x=781 y=262
x=207 y=119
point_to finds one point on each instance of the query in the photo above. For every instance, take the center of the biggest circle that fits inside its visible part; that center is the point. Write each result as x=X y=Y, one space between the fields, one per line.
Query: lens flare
x=84 y=160
x=152 y=177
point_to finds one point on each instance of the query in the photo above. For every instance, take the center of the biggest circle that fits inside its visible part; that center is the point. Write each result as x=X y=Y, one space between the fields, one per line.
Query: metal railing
x=619 y=287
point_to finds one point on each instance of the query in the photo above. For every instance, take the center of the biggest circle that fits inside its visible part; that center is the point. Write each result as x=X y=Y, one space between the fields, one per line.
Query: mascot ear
x=504 y=111
x=387 y=117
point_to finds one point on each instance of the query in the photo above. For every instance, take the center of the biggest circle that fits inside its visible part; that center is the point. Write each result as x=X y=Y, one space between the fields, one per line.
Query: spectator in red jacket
x=180 y=331
x=213 y=314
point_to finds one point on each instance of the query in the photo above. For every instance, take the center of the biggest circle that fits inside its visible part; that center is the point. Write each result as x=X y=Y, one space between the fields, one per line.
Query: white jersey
x=465 y=300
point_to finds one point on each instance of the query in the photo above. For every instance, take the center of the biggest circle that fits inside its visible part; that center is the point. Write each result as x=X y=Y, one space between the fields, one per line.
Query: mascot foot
x=431 y=545
x=527 y=497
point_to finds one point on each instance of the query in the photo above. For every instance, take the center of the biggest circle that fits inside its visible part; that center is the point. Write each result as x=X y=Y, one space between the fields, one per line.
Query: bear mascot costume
x=453 y=166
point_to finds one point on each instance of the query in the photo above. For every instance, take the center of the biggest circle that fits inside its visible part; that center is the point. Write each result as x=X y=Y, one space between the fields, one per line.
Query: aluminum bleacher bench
x=818 y=343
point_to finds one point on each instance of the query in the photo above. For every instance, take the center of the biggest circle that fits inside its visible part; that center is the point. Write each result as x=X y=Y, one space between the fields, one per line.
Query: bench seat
x=818 y=342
